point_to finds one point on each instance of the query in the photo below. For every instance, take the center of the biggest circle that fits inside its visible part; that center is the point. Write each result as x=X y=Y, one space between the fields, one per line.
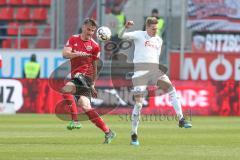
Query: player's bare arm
x=69 y=54
x=128 y=25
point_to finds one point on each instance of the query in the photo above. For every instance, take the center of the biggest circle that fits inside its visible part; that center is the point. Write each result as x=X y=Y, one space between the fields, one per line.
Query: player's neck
x=84 y=38
x=150 y=35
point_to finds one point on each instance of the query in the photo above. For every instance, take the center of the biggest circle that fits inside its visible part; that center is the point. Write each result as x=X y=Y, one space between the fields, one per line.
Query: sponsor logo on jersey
x=152 y=45
x=84 y=54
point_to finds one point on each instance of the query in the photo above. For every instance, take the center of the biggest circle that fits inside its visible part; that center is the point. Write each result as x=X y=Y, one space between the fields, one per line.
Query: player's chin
x=89 y=37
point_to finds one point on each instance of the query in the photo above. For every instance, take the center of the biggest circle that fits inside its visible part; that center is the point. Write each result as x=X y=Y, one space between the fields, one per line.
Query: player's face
x=152 y=29
x=155 y=15
x=88 y=31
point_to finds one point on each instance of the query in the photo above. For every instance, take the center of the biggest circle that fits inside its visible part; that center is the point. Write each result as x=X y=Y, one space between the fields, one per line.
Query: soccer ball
x=103 y=33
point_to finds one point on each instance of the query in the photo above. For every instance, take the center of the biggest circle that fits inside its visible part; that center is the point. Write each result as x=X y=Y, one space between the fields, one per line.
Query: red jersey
x=90 y=53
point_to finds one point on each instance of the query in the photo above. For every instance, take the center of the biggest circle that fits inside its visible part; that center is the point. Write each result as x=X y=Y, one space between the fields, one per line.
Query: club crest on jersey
x=89 y=48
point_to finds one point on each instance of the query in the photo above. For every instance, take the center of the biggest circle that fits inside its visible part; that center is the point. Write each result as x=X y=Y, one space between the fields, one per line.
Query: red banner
x=197 y=97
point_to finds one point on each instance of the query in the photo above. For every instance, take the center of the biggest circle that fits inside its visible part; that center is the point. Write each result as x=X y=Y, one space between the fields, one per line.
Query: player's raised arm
x=127 y=35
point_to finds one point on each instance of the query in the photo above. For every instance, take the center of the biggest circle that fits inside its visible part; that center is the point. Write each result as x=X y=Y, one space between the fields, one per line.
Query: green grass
x=44 y=137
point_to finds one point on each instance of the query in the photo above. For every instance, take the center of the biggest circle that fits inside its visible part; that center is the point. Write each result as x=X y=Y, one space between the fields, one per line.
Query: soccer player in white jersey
x=147 y=52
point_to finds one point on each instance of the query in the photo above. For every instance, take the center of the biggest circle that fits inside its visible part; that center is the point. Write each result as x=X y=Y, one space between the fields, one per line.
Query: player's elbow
x=119 y=36
x=65 y=53
x=122 y=36
x=121 y=33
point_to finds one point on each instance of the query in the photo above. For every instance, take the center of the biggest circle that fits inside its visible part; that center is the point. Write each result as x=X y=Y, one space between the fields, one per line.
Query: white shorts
x=142 y=79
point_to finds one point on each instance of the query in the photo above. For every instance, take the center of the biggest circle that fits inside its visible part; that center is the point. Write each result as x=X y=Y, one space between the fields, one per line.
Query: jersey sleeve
x=70 y=42
x=130 y=35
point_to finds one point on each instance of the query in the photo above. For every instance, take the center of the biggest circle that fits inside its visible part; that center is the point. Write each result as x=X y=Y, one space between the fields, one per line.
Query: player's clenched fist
x=129 y=24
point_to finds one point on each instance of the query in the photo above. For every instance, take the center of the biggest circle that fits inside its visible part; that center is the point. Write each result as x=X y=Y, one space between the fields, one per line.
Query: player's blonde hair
x=151 y=20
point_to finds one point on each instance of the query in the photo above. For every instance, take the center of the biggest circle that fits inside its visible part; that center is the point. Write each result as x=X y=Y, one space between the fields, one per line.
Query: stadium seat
x=15 y=2
x=23 y=14
x=39 y=14
x=42 y=42
x=23 y=43
x=29 y=29
x=12 y=29
x=6 y=14
x=45 y=2
x=3 y=2
x=31 y=2
x=7 y=43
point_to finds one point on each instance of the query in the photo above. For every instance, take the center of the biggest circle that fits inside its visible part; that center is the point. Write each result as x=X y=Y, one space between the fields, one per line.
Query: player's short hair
x=90 y=21
x=151 y=20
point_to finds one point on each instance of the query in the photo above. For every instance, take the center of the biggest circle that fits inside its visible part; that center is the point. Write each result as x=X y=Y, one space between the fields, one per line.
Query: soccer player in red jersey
x=84 y=54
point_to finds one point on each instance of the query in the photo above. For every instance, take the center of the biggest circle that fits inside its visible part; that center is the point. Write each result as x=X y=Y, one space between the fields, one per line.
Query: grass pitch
x=44 y=137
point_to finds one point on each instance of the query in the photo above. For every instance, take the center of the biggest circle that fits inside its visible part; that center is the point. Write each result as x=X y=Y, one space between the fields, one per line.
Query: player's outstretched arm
x=122 y=34
x=68 y=54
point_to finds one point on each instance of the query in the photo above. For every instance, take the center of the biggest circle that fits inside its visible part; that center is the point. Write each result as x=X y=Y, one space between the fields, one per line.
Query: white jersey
x=147 y=49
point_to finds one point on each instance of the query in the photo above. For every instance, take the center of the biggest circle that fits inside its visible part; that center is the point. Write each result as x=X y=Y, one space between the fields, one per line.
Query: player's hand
x=129 y=24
